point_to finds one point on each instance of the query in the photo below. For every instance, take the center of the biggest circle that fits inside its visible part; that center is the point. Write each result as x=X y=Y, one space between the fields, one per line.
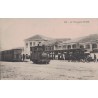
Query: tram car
x=78 y=55
x=13 y=55
x=38 y=55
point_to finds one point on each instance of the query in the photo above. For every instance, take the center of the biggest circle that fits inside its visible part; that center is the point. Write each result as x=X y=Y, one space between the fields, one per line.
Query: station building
x=89 y=43
x=34 y=41
x=55 y=47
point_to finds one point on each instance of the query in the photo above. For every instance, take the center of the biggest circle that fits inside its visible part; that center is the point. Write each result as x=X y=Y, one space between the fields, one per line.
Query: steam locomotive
x=38 y=55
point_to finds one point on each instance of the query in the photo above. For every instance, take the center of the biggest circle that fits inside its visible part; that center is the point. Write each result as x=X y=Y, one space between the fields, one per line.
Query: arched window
x=26 y=45
x=88 y=46
x=69 y=46
x=81 y=46
x=30 y=44
x=74 y=46
x=94 y=46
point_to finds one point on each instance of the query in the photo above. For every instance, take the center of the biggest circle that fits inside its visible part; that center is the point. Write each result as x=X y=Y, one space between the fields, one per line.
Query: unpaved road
x=56 y=70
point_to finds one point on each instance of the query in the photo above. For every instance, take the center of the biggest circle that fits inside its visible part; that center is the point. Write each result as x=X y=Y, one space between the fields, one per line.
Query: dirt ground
x=56 y=70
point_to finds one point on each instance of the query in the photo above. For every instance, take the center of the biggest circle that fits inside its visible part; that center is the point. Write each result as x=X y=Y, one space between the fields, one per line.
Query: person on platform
x=23 y=57
x=95 y=58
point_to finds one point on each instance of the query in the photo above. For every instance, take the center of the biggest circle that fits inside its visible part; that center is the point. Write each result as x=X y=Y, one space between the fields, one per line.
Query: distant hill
x=92 y=37
x=89 y=38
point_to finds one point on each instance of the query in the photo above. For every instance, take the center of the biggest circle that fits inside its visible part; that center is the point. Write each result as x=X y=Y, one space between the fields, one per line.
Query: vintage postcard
x=49 y=49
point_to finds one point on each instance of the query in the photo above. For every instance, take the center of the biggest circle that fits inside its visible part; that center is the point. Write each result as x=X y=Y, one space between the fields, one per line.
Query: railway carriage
x=11 y=55
x=75 y=55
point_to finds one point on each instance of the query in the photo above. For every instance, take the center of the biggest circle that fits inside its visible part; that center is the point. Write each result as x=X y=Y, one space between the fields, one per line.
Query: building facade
x=59 y=48
x=56 y=47
x=89 y=46
x=34 y=41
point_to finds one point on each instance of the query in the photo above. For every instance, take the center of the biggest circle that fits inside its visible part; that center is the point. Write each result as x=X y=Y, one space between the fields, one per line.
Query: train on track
x=12 y=55
x=71 y=55
x=38 y=55
x=78 y=55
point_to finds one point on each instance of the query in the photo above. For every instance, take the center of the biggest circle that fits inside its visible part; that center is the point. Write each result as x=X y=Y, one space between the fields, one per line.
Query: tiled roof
x=37 y=37
x=51 y=42
x=55 y=41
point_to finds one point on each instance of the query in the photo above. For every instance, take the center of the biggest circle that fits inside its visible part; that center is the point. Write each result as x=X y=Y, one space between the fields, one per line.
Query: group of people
x=24 y=57
x=79 y=57
x=62 y=57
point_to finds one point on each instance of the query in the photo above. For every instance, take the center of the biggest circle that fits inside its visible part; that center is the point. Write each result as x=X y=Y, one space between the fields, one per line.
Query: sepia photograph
x=48 y=48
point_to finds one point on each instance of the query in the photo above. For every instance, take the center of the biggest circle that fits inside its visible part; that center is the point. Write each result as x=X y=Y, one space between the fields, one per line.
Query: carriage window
x=30 y=44
x=94 y=45
x=15 y=56
x=26 y=45
x=87 y=46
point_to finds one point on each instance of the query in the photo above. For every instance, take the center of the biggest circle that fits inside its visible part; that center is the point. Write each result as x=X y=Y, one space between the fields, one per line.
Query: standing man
x=95 y=58
x=23 y=57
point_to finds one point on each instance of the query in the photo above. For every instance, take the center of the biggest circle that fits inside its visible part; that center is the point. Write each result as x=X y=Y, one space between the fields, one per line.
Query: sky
x=14 y=31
